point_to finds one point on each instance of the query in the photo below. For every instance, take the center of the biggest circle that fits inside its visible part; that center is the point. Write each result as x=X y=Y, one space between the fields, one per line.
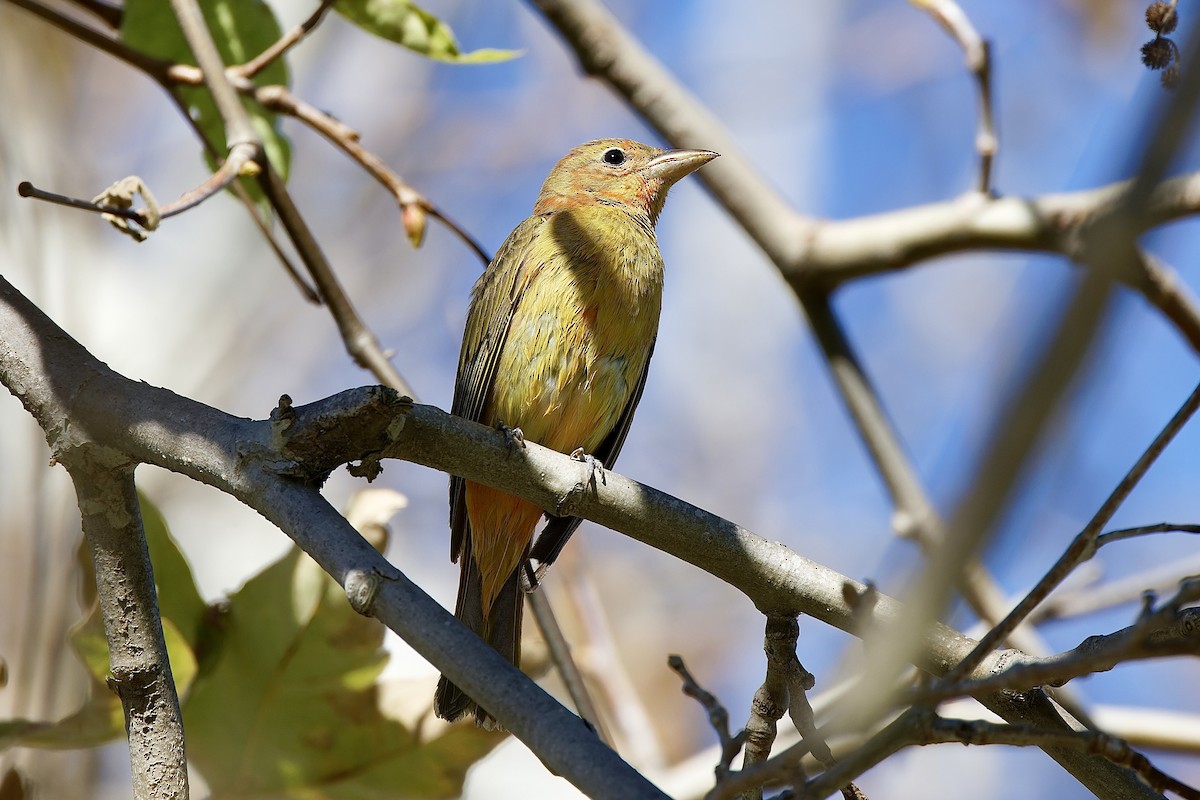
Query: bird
x=559 y=334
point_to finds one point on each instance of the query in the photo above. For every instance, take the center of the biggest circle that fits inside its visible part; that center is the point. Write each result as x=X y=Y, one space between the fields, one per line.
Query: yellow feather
x=558 y=338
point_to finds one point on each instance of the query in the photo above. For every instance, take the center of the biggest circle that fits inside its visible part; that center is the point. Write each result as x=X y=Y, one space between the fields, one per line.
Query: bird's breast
x=577 y=344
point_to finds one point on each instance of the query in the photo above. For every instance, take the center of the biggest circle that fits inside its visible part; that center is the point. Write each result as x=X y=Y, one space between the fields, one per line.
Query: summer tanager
x=558 y=338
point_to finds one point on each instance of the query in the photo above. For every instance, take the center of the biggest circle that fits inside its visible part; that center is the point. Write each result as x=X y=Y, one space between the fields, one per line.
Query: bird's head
x=620 y=173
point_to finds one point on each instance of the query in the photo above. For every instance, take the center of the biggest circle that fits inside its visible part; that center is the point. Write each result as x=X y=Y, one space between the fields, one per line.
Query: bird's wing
x=559 y=529
x=493 y=301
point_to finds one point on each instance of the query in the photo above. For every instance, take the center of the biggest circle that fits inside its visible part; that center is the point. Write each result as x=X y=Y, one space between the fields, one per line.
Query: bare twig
x=238 y=128
x=141 y=671
x=938 y=730
x=978 y=56
x=231 y=168
x=1076 y=602
x=1144 y=530
x=718 y=717
x=631 y=725
x=274 y=98
x=360 y=342
x=1167 y=631
x=921 y=728
x=1152 y=728
x=771 y=700
x=1084 y=544
x=560 y=654
x=280 y=99
x=286 y=42
x=27 y=189
x=243 y=196
x=784 y=690
x=1162 y=287
x=148 y=218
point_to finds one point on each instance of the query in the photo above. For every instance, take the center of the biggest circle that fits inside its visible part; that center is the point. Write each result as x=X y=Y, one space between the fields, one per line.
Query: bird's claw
x=594 y=464
x=513 y=437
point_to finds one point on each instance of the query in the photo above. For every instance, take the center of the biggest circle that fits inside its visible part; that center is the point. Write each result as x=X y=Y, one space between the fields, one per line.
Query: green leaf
x=178 y=598
x=290 y=708
x=98 y=722
x=241 y=29
x=101 y=719
x=413 y=27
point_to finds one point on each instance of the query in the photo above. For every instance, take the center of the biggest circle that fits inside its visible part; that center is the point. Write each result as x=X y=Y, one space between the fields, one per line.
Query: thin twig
x=1167 y=631
x=273 y=98
x=248 y=203
x=784 y=690
x=633 y=729
x=938 y=730
x=560 y=654
x=1162 y=286
x=1144 y=530
x=27 y=189
x=238 y=128
x=718 y=717
x=978 y=56
x=286 y=42
x=281 y=100
x=1077 y=602
x=1084 y=545
x=239 y=156
x=360 y=342
x=771 y=700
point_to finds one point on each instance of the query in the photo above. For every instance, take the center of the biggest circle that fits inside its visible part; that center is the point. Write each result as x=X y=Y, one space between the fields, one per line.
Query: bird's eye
x=616 y=157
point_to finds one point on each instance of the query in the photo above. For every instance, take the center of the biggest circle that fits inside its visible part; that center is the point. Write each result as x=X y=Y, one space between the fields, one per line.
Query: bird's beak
x=672 y=165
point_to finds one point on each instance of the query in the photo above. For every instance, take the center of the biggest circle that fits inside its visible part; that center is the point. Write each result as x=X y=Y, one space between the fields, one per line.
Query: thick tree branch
x=260 y=464
x=76 y=398
x=141 y=671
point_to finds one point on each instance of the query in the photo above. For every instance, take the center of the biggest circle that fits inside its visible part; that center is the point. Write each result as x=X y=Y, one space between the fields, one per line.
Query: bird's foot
x=595 y=464
x=513 y=437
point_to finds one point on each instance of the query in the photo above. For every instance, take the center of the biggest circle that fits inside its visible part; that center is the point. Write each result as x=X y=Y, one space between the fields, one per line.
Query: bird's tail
x=500 y=628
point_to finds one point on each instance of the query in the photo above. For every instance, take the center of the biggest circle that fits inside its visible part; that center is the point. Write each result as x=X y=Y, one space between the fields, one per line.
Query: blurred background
x=850 y=109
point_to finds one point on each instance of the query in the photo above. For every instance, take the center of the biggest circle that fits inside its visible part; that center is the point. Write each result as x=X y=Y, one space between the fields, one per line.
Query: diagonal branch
x=285 y=43
x=58 y=380
x=77 y=399
x=823 y=254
